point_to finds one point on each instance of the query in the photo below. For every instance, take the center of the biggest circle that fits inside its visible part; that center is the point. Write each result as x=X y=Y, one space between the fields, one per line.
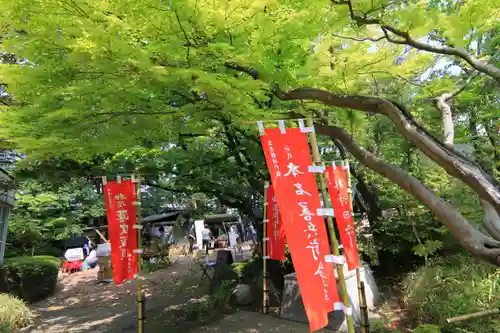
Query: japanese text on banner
x=121 y=214
x=336 y=178
x=275 y=229
x=288 y=158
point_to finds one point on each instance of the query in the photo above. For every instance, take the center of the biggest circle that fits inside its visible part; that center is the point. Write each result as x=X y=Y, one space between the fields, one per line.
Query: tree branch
x=248 y=70
x=442 y=103
x=456 y=164
x=407 y=39
x=470 y=238
x=166 y=188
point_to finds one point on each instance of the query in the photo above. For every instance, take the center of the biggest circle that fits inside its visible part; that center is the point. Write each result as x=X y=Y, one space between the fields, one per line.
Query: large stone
x=243 y=294
x=293 y=309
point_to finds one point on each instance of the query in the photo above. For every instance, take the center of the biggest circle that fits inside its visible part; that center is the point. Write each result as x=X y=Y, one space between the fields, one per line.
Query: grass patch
x=452 y=286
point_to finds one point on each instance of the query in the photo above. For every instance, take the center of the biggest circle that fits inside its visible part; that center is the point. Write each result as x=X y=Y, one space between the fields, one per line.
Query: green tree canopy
x=177 y=80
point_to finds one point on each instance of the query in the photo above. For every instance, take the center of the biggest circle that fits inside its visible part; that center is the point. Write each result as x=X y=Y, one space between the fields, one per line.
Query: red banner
x=274 y=228
x=336 y=177
x=121 y=213
x=288 y=159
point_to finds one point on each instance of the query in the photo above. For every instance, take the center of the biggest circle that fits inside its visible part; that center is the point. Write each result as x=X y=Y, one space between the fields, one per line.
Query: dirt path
x=253 y=322
x=81 y=305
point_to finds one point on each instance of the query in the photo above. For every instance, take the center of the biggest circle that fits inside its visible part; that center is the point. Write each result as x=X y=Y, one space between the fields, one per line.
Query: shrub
x=14 y=314
x=427 y=328
x=249 y=271
x=29 y=278
x=452 y=286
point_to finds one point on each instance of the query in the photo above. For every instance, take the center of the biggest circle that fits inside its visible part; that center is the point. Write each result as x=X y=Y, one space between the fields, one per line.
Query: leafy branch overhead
x=174 y=89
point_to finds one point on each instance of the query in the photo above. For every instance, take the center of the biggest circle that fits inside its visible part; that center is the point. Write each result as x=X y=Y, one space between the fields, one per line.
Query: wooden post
x=265 y=290
x=365 y=325
x=331 y=229
x=365 y=320
x=140 y=299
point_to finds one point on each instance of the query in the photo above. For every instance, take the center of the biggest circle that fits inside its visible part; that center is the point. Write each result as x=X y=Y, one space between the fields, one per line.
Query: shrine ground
x=81 y=305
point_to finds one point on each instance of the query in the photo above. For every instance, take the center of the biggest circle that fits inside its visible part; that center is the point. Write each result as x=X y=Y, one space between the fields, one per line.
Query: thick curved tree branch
x=397 y=36
x=470 y=238
x=455 y=164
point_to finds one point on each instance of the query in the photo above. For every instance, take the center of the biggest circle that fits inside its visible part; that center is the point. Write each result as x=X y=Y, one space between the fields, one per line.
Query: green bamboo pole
x=331 y=229
x=140 y=298
x=265 y=298
x=361 y=290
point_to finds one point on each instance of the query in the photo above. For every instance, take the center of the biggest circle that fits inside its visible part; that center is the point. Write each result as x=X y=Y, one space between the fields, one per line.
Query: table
x=73 y=265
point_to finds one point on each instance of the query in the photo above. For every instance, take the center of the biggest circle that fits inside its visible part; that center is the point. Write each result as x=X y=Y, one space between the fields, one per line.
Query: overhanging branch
x=406 y=39
x=470 y=238
x=456 y=164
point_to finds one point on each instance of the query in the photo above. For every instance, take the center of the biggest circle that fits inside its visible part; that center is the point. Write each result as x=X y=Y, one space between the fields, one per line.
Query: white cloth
x=92 y=257
x=103 y=250
x=74 y=254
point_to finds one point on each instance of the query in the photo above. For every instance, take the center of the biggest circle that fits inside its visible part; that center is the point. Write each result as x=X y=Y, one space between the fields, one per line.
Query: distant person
x=206 y=236
x=253 y=234
x=233 y=237
x=191 y=237
x=86 y=248
x=163 y=237
x=91 y=260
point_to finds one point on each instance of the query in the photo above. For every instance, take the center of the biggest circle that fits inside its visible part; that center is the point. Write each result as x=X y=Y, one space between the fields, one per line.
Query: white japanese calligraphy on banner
x=298 y=198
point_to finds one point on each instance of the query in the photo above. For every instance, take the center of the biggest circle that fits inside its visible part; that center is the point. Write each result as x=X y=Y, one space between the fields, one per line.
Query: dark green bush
x=451 y=286
x=29 y=278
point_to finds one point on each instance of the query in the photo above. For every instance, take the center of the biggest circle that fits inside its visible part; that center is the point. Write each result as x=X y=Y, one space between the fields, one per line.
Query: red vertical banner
x=275 y=230
x=288 y=159
x=336 y=178
x=121 y=214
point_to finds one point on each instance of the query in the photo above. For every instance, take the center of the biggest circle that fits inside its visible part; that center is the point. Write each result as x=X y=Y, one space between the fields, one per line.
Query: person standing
x=206 y=236
x=91 y=260
x=253 y=234
x=233 y=237
x=191 y=237
x=163 y=237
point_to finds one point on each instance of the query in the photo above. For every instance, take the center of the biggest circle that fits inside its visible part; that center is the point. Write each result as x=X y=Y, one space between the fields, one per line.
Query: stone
x=293 y=309
x=243 y=294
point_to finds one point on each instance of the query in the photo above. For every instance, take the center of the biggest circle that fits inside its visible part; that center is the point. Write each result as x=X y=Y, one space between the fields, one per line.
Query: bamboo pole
x=331 y=229
x=140 y=298
x=265 y=296
x=473 y=315
x=364 y=310
x=361 y=290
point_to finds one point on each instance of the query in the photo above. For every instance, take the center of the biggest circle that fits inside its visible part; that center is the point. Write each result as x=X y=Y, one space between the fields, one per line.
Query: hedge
x=29 y=278
x=14 y=314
